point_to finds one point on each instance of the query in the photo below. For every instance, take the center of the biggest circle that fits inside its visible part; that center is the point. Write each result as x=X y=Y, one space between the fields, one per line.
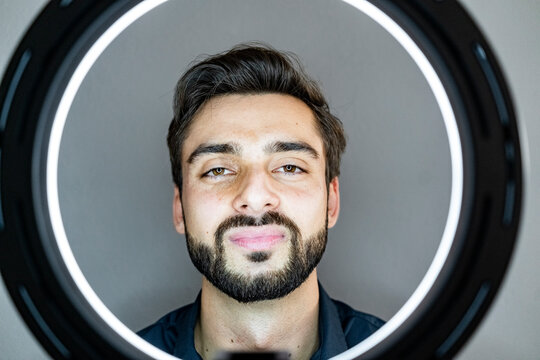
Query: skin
x=253 y=181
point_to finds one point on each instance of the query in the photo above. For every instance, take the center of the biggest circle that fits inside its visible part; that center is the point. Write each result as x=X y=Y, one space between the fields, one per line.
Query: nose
x=256 y=195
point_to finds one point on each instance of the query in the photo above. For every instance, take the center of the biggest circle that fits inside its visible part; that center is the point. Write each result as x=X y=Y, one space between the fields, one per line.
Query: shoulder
x=165 y=332
x=356 y=325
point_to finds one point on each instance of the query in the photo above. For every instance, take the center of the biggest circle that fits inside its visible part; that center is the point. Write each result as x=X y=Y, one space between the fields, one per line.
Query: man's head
x=250 y=70
x=255 y=157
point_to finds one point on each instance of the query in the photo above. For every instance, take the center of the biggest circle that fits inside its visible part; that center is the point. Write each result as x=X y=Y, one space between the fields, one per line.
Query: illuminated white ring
x=455 y=198
x=456 y=193
x=52 y=173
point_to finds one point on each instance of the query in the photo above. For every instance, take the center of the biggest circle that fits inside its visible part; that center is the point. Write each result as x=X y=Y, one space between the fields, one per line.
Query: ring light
x=69 y=319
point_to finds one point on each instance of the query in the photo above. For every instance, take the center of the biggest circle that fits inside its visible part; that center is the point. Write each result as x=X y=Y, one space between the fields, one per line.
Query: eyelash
x=294 y=172
x=209 y=173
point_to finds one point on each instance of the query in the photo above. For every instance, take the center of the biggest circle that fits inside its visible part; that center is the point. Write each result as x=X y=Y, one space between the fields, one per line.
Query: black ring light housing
x=61 y=316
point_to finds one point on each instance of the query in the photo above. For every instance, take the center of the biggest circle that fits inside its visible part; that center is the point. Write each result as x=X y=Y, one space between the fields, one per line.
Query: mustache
x=271 y=217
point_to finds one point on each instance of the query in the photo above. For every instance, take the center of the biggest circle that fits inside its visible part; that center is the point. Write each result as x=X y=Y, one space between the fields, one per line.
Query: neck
x=287 y=324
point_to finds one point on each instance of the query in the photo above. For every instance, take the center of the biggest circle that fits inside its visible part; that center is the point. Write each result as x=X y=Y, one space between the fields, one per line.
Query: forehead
x=253 y=119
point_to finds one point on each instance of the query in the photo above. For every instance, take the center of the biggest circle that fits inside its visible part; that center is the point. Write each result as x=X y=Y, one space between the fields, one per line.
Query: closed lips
x=257 y=239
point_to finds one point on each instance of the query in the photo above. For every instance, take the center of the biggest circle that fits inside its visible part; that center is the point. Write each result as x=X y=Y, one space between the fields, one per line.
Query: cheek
x=203 y=212
x=307 y=207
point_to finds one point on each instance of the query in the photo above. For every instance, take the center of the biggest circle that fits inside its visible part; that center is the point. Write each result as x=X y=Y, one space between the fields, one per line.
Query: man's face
x=255 y=205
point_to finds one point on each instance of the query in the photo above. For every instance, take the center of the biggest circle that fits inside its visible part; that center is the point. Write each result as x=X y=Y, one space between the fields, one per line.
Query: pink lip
x=257 y=239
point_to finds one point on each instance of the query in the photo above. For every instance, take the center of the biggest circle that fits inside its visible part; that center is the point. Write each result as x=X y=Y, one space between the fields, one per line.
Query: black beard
x=272 y=285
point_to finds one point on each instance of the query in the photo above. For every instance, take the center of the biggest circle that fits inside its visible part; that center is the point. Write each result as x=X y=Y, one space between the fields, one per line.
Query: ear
x=178 y=217
x=333 y=202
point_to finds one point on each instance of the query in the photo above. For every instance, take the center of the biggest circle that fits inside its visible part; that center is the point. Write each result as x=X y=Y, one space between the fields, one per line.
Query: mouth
x=259 y=238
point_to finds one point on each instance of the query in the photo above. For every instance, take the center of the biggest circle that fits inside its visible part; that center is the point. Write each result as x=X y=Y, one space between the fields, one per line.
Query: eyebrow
x=284 y=146
x=234 y=149
x=230 y=148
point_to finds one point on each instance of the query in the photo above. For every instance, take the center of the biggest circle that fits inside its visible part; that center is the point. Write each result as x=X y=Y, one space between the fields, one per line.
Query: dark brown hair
x=250 y=69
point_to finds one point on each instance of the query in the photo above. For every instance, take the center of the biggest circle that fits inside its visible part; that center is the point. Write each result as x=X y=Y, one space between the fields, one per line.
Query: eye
x=217 y=172
x=290 y=169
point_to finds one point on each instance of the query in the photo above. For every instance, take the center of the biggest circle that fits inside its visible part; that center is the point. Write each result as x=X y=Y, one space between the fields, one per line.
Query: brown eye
x=217 y=171
x=290 y=168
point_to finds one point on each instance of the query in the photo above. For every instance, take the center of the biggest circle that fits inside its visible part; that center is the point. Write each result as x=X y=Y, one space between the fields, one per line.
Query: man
x=255 y=157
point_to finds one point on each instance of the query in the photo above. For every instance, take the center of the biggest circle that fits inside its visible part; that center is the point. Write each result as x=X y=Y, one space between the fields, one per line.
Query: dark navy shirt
x=340 y=328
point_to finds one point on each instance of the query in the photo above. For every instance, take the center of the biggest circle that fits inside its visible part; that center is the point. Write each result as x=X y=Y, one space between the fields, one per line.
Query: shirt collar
x=331 y=336
x=185 y=345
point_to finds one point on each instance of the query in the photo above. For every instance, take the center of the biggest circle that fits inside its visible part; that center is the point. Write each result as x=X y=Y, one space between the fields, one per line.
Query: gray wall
x=115 y=183
x=114 y=178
